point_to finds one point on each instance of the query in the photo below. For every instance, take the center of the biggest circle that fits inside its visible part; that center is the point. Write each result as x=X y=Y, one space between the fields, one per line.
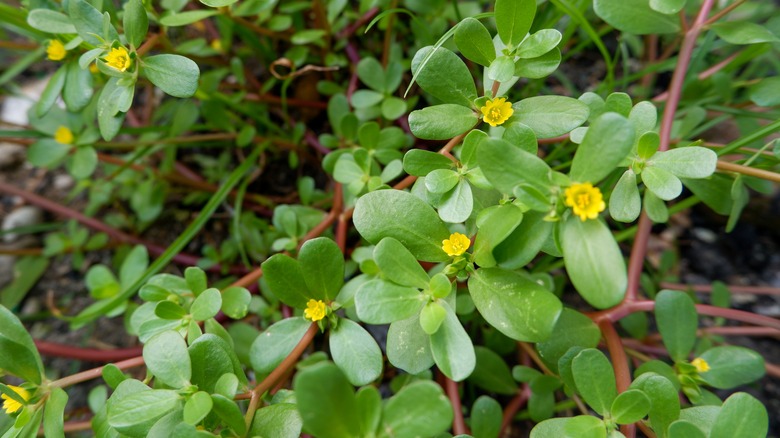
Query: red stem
x=514 y=405
x=458 y=423
x=620 y=364
x=87 y=354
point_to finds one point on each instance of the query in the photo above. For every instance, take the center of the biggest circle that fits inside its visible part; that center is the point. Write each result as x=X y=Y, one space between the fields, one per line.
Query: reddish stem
x=87 y=354
x=733 y=288
x=514 y=405
x=620 y=364
x=458 y=423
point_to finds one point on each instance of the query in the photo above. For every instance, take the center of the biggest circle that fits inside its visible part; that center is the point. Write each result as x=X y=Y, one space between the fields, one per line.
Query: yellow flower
x=10 y=405
x=701 y=365
x=456 y=245
x=217 y=45
x=315 y=310
x=93 y=68
x=63 y=135
x=496 y=112
x=585 y=200
x=55 y=51
x=119 y=59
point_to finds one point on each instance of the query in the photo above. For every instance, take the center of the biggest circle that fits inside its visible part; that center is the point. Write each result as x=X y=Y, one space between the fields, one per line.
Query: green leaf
x=594 y=262
x=474 y=41
x=492 y=373
x=501 y=69
x=89 y=22
x=355 y=351
x=135 y=413
x=506 y=166
x=235 y=302
x=516 y=306
x=766 y=92
x=445 y=76
x=212 y=358
x=408 y=346
x=134 y=265
x=486 y=416
x=420 y=162
x=326 y=402
x=53 y=422
x=166 y=356
x=677 y=321
x=524 y=243
x=175 y=19
x=442 y=122
x=20 y=357
x=322 y=263
x=206 y=305
x=399 y=265
x=441 y=180
x=421 y=231
x=50 y=21
x=273 y=345
x=227 y=410
x=573 y=329
x=277 y=421
x=419 y=409
x=595 y=379
x=539 y=67
x=456 y=205
x=630 y=407
x=369 y=402
x=655 y=208
x=701 y=416
x=741 y=415
x=550 y=116
x=452 y=349
x=584 y=426
x=285 y=278
x=174 y=74
x=381 y=302
x=635 y=17
x=83 y=162
x=665 y=406
x=135 y=22
x=78 y=89
x=495 y=224
x=607 y=143
x=27 y=271
x=685 y=429
x=539 y=43
x=625 y=203
x=51 y=92
x=218 y=3
x=686 y=162
x=667 y=7
x=554 y=427
x=514 y=19
x=197 y=407
x=196 y=279
x=432 y=316
x=101 y=282
x=371 y=72
x=744 y=32
x=731 y=366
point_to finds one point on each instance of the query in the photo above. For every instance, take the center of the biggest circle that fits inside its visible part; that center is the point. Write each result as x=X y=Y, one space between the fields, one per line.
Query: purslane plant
x=504 y=243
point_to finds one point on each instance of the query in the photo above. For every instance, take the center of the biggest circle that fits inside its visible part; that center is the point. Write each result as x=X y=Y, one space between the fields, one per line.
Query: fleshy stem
x=678 y=77
x=458 y=423
x=95 y=373
x=733 y=288
x=620 y=363
x=278 y=372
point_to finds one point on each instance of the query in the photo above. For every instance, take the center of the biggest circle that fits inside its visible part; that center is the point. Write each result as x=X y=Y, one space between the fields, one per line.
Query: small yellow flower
x=315 y=310
x=456 y=245
x=497 y=111
x=119 y=59
x=701 y=365
x=217 y=45
x=55 y=51
x=93 y=68
x=10 y=405
x=63 y=135
x=585 y=200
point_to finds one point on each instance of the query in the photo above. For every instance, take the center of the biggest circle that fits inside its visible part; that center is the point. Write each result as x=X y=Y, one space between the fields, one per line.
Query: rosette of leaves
x=292 y=222
x=182 y=304
x=93 y=32
x=317 y=274
x=76 y=151
x=372 y=162
x=383 y=83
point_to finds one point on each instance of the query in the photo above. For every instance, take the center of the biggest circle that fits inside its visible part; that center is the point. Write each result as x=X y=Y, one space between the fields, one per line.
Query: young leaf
x=665 y=407
x=630 y=406
x=445 y=76
x=539 y=43
x=166 y=356
x=322 y=263
x=431 y=317
x=206 y=305
x=625 y=203
x=399 y=265
x=408 y=346
x=452 y=348
x=677 y=321
x=135 y=22
x=52 y=416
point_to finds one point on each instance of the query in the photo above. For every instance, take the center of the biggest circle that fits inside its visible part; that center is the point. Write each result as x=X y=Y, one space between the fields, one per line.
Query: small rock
x=6 y=269
x=11 y=155
x=705 y=235
x=22 y=216
x=63 y=182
